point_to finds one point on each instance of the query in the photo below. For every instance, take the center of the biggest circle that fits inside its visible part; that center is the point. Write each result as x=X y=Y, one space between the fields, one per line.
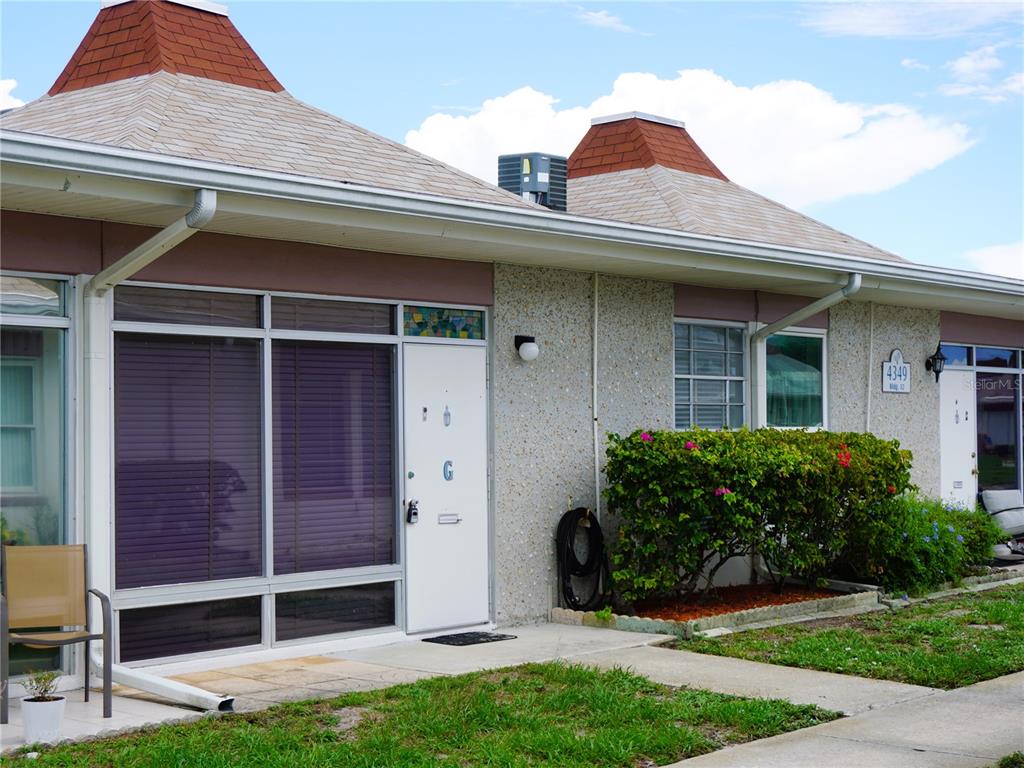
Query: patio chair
x=46 y=587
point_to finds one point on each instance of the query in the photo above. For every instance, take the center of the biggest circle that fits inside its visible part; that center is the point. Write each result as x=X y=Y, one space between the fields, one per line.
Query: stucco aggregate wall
x=541 y=411
x=912 y=418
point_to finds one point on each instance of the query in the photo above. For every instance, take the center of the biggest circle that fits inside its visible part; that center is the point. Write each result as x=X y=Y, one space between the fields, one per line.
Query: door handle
x=449 y=518
x=412 y=512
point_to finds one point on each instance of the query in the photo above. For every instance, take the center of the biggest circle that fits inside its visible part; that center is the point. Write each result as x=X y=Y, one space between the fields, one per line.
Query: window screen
x=709 y=376
x=334 y=503
x=173 y=630
x=188 y=503
x=171 y=305
x=333 y=611
x=335 y=316
x=795 y=366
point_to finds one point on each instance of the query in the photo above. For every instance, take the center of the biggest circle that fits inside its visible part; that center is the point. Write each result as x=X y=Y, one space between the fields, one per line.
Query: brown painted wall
x=71 y=246
x=975 y=329
x=704 y=303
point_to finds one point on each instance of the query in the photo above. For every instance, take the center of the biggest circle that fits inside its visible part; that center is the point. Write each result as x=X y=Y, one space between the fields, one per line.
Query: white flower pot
x=42 y=720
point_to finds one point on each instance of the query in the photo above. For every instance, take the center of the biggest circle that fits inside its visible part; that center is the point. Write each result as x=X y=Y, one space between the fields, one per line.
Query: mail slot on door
x=449 y=518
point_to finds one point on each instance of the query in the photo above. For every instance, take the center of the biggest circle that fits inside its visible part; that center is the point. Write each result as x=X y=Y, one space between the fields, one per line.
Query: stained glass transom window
x=444 y=322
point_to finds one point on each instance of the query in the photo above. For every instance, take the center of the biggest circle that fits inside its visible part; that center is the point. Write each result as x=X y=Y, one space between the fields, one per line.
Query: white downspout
x=593 y=410
x=202 y=212
x=98 y=438
x=163 y=686
x=757 y=358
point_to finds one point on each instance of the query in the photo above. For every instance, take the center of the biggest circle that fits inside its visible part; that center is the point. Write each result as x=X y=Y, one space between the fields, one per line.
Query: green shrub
x=690 y=501
x=919 y=544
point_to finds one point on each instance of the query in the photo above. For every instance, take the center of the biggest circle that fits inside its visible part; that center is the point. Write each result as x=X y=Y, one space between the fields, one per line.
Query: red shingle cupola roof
x=638 y=140
x=141 y=37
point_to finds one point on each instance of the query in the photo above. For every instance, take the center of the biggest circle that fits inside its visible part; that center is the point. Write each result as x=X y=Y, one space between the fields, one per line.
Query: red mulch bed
x=728 y=600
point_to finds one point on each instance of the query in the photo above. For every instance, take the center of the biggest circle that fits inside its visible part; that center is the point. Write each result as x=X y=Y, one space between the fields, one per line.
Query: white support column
x=97 y=441
x=757 y=373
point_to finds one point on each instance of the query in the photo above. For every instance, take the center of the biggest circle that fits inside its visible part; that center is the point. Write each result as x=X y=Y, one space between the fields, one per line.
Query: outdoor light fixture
x=936 y=362
x=527 y=348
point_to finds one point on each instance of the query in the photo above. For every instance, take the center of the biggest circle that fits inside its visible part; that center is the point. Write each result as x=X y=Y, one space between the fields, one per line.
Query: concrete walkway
x=841 y=693
x=970 y=727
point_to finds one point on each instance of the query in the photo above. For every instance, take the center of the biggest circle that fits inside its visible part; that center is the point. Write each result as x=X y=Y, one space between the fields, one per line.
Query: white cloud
x=977 y=65
x=7 y=101
x=603 y=20
x=1006 y=260
x=913 y=64
x=908 y=19
x=786 y=139
x=973 y=72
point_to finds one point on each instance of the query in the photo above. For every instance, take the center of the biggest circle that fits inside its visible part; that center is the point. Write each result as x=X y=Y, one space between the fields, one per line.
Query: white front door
x=958 y=437
x=446 y=550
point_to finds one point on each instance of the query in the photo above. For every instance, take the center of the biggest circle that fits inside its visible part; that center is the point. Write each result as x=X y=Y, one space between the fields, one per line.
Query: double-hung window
x=710 y=376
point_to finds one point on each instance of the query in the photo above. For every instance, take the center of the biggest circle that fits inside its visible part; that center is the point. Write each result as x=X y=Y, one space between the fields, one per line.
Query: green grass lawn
x=535 y=715
x=943 y=644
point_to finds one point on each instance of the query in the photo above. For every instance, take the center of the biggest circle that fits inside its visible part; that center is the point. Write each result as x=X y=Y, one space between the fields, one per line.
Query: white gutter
x=851 y=287
x=143 y=255
x=83 y=157
x=162 y=686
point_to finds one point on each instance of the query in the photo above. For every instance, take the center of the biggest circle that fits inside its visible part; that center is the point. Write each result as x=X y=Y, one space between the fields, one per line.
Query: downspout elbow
x=852 y=285
x=205 y=207
x=202 y=212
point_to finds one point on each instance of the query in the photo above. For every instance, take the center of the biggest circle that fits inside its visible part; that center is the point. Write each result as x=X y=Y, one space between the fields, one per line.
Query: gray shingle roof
x=666 y=197
x=202 y=119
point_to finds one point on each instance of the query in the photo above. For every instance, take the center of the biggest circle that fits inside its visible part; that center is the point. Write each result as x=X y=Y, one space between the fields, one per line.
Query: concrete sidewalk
x=970 y=727
x=841 y=693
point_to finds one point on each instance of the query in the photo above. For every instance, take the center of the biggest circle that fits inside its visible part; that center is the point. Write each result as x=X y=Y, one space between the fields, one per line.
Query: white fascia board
x=558 y=230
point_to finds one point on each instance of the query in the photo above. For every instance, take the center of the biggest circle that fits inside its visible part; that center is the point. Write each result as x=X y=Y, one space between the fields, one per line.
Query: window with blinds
x=710 y=382
x=333 y=448
x=188 y=498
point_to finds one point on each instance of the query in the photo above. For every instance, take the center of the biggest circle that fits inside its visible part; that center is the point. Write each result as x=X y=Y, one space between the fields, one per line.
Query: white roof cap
x=201 y=5
x=638 y=115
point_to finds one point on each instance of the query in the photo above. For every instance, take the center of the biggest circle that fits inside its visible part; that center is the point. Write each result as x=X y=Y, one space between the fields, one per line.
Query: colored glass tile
x=444 y=322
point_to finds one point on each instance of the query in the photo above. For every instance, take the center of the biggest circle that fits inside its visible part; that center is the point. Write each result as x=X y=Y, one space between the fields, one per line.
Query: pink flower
x=692 y=446
x=646 y=437
x=722 y=491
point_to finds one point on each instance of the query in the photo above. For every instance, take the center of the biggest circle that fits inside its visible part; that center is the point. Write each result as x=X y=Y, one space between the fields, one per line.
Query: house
x=264 y=363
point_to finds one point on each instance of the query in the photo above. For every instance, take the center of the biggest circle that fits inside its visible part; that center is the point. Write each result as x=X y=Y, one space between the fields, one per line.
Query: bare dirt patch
x=349 y=719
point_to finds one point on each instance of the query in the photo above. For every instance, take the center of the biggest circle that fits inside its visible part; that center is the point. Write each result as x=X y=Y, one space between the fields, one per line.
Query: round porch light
x=527 y=348
x=936 y=363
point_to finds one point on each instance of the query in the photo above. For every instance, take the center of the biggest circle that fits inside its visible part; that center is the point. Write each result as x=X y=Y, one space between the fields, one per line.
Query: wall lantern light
x=527 y=348
x=936 y=362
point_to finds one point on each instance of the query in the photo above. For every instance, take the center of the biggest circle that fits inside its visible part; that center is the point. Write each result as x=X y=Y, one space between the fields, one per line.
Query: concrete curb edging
x=863 y=601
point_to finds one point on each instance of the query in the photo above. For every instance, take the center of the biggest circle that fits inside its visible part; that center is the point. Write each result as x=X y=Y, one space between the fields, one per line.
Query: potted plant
x=42 y=710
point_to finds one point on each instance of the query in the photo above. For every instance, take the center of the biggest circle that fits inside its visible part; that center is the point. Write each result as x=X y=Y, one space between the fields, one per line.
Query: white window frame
x=33 y=427
x=762 y=375
x=745 y=378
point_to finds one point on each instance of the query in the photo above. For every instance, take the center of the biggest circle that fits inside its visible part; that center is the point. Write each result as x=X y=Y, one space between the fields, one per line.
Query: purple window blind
x=188 y=476
x=333 y=456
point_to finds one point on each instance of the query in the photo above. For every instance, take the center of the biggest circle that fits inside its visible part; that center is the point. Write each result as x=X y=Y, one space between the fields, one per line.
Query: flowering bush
x=920 y=544
x=690 y=501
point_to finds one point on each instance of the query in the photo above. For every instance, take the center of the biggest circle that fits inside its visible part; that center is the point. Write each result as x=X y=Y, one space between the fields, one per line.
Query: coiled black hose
x=595 y=567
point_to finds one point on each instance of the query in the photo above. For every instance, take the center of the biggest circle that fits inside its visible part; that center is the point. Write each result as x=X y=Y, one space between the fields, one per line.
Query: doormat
x=468 y=638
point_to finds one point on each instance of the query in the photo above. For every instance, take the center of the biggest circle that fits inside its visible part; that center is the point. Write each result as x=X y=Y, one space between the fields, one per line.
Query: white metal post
x=97 y=440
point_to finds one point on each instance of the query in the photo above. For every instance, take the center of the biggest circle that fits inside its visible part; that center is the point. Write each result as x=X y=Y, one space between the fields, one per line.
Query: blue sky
x=901 y=124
